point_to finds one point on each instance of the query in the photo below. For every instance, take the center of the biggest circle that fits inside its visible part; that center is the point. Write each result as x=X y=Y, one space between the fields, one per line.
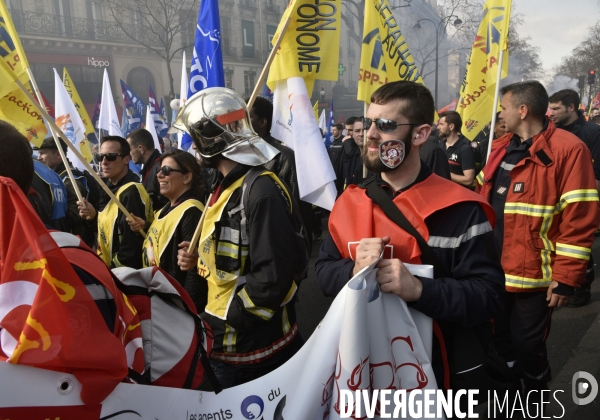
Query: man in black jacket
x=249 y=251
x=284 y=164
x=118 y=245
x=335 y=154
x=454 y=219
x=143 y=152
x=564 y=111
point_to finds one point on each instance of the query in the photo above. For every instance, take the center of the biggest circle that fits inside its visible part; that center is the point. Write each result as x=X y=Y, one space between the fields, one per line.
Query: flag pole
x=55 y=136
x=496 y=95
x=198 y=231
x=265 y=70
x=365 y=140
x=54 y=128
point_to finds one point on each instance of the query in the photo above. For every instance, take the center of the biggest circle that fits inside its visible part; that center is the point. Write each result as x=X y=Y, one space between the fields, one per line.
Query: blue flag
x=160 y=124
x=330 y=122
x=207 y=58
x=134 y=110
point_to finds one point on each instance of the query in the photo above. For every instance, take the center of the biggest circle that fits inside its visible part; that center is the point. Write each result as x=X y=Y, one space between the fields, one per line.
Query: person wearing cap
x=118 y=245
x=49 y=155
x=52 y=195
x=249 y=249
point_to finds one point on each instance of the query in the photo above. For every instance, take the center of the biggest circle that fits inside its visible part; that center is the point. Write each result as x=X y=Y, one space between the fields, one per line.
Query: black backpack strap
x=395 y=215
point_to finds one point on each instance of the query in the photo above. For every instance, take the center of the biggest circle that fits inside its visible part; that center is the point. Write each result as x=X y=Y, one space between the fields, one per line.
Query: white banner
x=295 y=125
x=367 y=340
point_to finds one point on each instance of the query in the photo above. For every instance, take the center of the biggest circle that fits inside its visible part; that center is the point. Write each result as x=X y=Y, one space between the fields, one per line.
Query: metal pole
x=495 y=106
x=437 y=47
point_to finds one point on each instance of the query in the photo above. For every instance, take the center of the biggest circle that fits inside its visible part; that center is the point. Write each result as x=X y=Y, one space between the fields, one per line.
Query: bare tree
x=165 y=27
x=585 y=57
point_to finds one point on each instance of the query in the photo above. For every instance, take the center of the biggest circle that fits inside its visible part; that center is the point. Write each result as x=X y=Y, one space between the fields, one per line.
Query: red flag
x=48 y=319
x=450 y=107
x=47 y=104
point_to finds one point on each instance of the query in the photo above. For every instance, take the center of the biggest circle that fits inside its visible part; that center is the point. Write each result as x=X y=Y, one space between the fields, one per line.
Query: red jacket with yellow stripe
x=551 y=210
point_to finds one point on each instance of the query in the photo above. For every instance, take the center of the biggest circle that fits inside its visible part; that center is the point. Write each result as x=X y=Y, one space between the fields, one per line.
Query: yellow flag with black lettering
x=15 y=107
x=310 y=46
x=385 y=56
x=476 y=104
x=87 y=122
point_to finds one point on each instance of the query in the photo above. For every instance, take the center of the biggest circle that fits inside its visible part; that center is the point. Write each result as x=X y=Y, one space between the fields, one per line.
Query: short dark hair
x=417 y=101
x=143 y=137
x=15 y=156
x=596 y=119
x=594 y=109
x=566 y=97
x=530 y=93
x=339 y=126
x=263 y=108
x=187 y=163
x=452 y=117
x=350 y=120
x=124 y=148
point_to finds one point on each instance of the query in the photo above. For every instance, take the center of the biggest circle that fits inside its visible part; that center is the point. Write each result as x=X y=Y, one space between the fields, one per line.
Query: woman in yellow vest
x=180 y=181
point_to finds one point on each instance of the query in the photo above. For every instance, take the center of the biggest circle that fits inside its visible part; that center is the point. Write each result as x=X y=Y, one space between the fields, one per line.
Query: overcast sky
x=556 y=26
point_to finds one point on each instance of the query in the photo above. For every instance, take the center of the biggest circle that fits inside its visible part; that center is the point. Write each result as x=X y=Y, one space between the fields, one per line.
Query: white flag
x=151 y=129
x=294 y=124
x=68 y=120
x=109 y=120
x=183 y=91
x=323 y=122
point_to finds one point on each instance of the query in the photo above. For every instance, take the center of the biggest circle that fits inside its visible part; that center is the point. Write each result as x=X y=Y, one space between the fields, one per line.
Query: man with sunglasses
x=118 y=245
x=454 y=221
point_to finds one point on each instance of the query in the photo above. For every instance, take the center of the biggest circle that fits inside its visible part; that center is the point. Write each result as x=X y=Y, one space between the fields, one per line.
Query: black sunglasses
x=111 y=157
x=383 y=125
x=166 y=170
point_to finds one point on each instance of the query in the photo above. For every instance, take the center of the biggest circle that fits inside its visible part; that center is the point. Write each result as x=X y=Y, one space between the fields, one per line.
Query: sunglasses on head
x=166 y=170
x=383 y=125
x=111 y=157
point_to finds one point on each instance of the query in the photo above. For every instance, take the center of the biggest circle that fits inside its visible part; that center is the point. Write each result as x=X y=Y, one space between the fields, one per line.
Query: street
x=573 y=344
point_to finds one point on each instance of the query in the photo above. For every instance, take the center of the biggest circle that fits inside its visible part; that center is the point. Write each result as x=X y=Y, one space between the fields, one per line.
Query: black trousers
x=520 y=334
x=589 y=274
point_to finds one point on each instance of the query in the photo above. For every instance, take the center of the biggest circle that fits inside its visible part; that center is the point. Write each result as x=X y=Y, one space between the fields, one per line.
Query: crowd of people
x=509 y=235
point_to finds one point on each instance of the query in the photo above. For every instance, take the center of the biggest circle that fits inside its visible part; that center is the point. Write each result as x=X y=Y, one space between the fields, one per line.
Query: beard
x=373 y=161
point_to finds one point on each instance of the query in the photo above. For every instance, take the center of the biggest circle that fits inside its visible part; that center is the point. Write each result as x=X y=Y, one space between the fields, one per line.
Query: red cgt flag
x=48 y=319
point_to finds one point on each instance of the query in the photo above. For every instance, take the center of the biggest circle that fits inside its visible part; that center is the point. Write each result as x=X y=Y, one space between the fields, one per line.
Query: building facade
x=83 y=36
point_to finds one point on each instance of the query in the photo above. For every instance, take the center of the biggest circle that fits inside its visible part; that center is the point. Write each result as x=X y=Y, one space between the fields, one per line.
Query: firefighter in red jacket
x=540 y=181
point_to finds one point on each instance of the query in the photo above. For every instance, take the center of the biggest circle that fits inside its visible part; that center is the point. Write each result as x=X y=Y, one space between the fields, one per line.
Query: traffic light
x=581 y=82
x=591 y=77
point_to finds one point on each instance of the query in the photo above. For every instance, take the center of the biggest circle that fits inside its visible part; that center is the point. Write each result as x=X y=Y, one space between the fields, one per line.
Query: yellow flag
x=14 y=105
x=385 y=56
x=7 y=78
x=310 y=46
x=72 y=91
x=87 y=122
x=10 y=44
x=316 y=110
x=476 y=104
